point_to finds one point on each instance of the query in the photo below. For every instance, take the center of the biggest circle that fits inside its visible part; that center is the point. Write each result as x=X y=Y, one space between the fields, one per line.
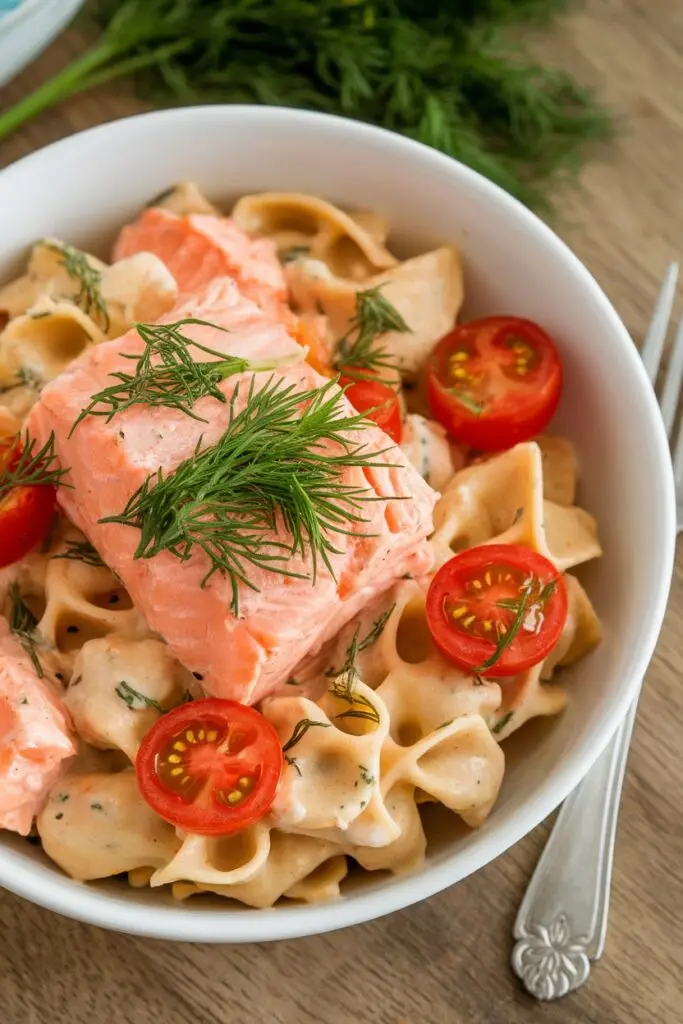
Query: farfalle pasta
x=310 y=595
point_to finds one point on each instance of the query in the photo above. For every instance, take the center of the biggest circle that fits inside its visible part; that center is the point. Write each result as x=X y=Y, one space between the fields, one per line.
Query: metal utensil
x=562 y=921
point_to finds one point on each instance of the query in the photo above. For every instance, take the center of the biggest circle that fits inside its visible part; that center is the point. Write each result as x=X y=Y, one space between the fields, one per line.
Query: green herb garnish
x=358 y=354
x=32 y=468
x=81 y=551
x=300 y=730
x=167 y=373
x=295 y=764
x=376 y=629
x=87 y=277
x=365 y=775
x=277 y=465
x=134 y=699
x=520 y=606
x=447 y=74
x=502 y=722
x=472 y=404
x=23 y=624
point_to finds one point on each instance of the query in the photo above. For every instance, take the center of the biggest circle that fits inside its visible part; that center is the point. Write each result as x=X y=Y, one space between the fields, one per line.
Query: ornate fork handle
x=562 y=921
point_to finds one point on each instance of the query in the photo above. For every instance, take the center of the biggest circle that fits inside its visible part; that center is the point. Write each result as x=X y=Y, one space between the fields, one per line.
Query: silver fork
x=562 y=921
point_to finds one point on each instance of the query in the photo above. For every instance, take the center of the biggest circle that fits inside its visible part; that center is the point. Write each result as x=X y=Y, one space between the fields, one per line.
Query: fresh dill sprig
x=520 y=606
x=300 y=730
x=376 y=629
x=23 y=624
x=447 y=74
x=88 y=279
x=358 y=355
x=167 y=374
x=274 y=473
x=134 y=699
x=81 y=551
x=344 y=679
x=348 y=668
x=31 y=468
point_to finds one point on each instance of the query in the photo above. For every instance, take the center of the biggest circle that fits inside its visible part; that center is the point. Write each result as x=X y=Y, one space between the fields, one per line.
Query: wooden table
x=445 y=960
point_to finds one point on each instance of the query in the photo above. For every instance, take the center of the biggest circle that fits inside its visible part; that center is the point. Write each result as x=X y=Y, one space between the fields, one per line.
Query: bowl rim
x=97 y=907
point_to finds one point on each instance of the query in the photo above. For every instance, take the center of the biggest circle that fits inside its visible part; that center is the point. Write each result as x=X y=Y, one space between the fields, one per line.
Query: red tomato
x=494 y=382
x=379 y=401
x=25 y=512
x=496 y=609
x=211 y=766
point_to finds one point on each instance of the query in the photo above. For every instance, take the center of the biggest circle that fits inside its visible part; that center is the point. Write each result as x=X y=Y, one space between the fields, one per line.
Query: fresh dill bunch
x=88 y=279
x=81 y=551
x=167 y=374
x=23 y=624
x=445 y=72
x=275 y=472
x=359 y=355
x=31 y=468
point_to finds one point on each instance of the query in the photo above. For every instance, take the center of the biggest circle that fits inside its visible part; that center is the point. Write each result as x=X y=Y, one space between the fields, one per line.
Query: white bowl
x=26 y=30
x=514 y=264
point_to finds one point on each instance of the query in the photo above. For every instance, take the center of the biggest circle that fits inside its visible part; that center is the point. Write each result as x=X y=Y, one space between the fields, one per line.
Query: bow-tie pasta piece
x=291 y=863
x=96 y=825
x=501 y=501
x=37 y=346
x=322 y=884
x=307 y=226
x=333 y=751
x=426 y=290
x=459 y=764
x=56 y=271
x=571 y=535
x=84 y=601
x=218 y=860
x=524 y=697
x=582 y=631
x=560 y=469
x=406 y=851
x=184 y=199
x=120 y=688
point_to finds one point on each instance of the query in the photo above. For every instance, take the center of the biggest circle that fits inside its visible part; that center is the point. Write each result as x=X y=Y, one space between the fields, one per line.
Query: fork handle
x=562 y=921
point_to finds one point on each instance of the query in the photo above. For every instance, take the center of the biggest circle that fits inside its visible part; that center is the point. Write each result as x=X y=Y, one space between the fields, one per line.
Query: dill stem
x=81 y=74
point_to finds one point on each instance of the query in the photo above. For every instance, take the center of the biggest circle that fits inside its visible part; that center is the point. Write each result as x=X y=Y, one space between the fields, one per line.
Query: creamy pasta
x=374 y=719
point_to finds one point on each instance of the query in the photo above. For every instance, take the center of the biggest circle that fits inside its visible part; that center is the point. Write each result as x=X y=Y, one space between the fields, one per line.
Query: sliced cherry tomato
x=211 y=766
x=25 y=512
x=379 y=401
x=494 y=382
x=496 y=609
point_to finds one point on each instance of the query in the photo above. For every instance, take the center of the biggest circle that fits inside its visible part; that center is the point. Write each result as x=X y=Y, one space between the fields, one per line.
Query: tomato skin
x=516 y=405
x=379 y=401
x=25 y=513
x=245 y=746
x=508 y=567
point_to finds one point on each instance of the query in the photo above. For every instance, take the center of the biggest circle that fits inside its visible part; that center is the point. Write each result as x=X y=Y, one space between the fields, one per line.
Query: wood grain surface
x=445 y=960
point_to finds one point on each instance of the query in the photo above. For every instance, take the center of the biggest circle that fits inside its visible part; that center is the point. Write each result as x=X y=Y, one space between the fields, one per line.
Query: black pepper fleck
x=72 y=629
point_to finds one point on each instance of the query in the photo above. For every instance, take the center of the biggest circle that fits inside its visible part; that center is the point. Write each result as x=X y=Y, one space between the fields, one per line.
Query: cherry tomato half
x=496 y=609
x=379 y=401
x=494 y=382
x=211 y=766
x=25 y=512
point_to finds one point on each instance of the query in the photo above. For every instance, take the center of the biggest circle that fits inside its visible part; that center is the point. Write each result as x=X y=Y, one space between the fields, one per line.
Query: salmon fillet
x=34 y=736
x=241 y=658
x=199 y=247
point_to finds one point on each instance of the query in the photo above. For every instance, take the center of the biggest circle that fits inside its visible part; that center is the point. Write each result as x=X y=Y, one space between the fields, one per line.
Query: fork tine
x=653 y=346
x=672 y=384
